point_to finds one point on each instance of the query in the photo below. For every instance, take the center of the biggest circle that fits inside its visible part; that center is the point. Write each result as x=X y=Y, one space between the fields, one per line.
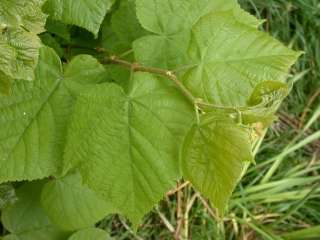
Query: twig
x=139 y=68
x=130 y=230
x=136 y=67
x=180 y=187
x=165 y=221
x=177 y=234
x=209 y=209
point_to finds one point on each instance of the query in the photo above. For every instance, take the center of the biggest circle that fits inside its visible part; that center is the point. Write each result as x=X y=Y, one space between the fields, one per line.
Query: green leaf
x=132 y=140
x=20 y=22
x=120 y=29
x=71 y=205
x=58 y=28
x=34 y=117
x=228 y=59
x=19 y=53
x=7 y=195
x=87 y=14
x=171 y=21
x=26 y=220
x=5 y=84
x=52 y=42
x=171 y=17
x=90 y=233
x=264 y=102
x=125 y=23
x=213 y=157
x=24 y=14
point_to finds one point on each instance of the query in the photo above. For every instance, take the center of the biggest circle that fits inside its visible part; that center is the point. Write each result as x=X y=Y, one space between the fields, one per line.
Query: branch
x=197 y=102
x=136 y=67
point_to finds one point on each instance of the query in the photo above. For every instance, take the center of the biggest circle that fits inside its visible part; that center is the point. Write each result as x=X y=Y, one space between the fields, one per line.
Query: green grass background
x=279 y=197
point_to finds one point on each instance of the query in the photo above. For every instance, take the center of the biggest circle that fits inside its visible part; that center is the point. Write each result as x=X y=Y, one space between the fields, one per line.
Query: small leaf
x=213 y=157
x=264 y=102
x=87 y=14
x=71 y=205
x=90 y=234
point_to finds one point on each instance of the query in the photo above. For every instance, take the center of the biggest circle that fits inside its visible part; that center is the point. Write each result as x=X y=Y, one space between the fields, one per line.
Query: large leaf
x=26 y=220
x=213 y=157
x=171 y=22
x=228 y=59
x=90 y=233
x=87 y=14
x=34 y=118
x=132 y=141
x=20 y=21
x=71 y=205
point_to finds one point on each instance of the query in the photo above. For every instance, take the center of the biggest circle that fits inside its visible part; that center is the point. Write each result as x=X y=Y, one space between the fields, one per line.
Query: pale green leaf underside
x=132 y=141
x=213 y=157
x=87 y=14
x=26 y=220
x=72 y=205
x=90 y=233
x=20 y=22
x=34 y=117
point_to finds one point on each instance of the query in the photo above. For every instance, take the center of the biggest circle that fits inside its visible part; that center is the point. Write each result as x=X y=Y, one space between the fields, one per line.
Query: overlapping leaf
x=20 y=22
x=71 y=205
x=87 y=14
x=132 y=141
x=34 y=118
x=119 y=33
x=213 y=157
x=26 y=220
